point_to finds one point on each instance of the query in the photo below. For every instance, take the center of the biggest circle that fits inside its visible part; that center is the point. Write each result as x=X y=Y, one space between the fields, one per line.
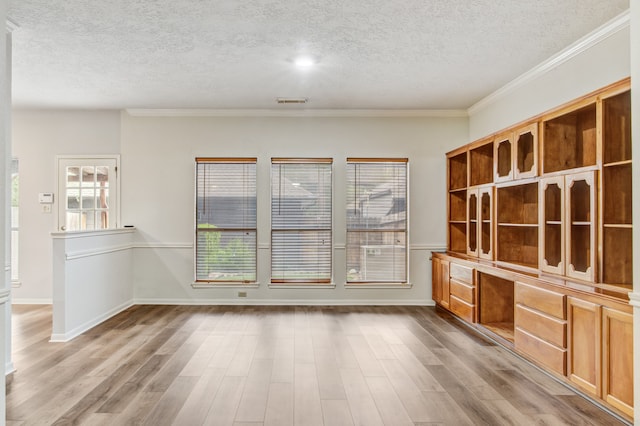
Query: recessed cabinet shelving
x=540 y=242
x=481 y=167
x=569 y=141
x=517 y=224
x=616 y=191
x=457 y=231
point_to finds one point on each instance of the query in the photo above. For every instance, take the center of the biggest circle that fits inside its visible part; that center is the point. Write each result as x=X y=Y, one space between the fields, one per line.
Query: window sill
x=198 y=285
x=391 y=286
x=302 y=285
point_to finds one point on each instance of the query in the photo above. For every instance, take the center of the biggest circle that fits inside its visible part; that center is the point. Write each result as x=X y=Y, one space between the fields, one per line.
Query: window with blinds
x=226 y=220
x=377 y=220
x=301 y=249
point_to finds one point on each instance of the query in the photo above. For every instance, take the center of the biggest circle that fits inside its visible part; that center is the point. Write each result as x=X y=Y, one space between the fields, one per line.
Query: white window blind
x=377 y=220
x=226 y=220
x=301 y=249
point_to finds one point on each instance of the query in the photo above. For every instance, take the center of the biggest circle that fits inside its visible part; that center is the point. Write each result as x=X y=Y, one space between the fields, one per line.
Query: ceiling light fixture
x=304 y=62
x=292 y=100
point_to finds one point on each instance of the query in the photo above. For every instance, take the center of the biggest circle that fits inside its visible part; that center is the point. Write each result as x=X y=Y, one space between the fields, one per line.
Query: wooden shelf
x=617 y=128
x=617 y=194
x=458 y=171
x=570 y=140
x=481 y=164
x=518 y=204
x=496 y=305
x=458 y=206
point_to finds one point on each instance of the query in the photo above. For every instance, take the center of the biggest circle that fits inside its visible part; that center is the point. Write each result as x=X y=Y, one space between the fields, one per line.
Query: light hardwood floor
x=216 y=365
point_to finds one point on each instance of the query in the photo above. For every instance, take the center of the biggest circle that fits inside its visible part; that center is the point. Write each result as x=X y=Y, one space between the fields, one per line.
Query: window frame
x=406 y=231
x=312 y=283
x=198 y=282
x=114 y=191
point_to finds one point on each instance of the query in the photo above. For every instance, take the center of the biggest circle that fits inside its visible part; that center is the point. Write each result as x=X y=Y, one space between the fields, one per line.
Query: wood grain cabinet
x=541 y=326
x=440 y=281
x=457 y=208
x=540 y=242
x=617 y=359
x=568 y=213
x=601 y=352
x=462 y=292
x=516 y=154
x=480 y=222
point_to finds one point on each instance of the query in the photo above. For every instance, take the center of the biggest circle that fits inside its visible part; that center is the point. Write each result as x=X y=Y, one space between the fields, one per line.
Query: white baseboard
x=65 y=337
x=287 y=302
x=22 y=301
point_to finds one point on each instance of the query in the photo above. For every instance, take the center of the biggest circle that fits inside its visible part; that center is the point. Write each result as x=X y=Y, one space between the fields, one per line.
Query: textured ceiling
x=382 y=54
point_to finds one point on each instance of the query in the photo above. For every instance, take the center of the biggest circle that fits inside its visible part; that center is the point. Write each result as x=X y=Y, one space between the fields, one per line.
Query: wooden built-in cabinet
x=516 y=154
x=568 y=211
x=480 y=222
x=540 y=242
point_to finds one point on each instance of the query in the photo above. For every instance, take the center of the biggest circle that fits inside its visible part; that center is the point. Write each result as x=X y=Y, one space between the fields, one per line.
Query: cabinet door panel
x=584 y=345
x=617 y=359
x=580 y=226
x=552 y=225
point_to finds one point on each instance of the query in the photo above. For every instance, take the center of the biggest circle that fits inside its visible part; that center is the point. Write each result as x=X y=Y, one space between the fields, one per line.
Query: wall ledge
x=93 y=233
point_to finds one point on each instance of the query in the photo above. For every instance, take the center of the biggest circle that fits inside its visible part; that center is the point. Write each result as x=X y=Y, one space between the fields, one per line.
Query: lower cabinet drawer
x=461 y=273
x=542 y=326
x=543 y=352
x=546 y=301
x=464 y=310
x=462 y=291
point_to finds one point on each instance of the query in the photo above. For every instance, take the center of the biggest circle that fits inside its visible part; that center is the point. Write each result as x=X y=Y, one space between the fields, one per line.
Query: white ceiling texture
x=240 y=54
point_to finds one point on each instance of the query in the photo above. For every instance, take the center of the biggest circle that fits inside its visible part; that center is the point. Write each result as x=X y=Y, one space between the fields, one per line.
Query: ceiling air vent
x=292 y=100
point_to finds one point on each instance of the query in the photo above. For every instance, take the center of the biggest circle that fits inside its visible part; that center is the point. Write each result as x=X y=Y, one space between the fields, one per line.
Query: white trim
x=198 y=285
x=11 y=25
x=5 y=295
x=309 y=286
x=97 y=252
x=287 y=302
x=92 y=233
x=431 y=247
x=605 y=31
x=16 y=284
x=26 y=301
x=9 y=368
x=162 y=246
x=634 y=299
x=142 y=112
x=390 y=286
x=264 y=246
x=65 y=337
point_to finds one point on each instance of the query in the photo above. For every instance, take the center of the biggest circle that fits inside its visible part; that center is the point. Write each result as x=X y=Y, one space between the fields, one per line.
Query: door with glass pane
x=87 y=193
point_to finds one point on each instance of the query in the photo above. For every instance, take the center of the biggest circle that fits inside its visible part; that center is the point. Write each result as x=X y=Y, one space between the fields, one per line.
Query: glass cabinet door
x=503 y=158
x=580 y=229
x=552 y=225
x=486 y=223
x=472 y=225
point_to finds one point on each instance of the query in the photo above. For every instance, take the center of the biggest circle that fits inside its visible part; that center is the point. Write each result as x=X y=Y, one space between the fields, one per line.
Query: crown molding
x=12 y=25
x=191 y=112
x=603 y=32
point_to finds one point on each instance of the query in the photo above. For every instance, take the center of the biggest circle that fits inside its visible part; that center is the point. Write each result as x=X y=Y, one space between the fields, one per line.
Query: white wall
x=5 y=123
x=92 y=279
x=158 y=194
x=38 y=136
x=604 y=62
x=635 y=131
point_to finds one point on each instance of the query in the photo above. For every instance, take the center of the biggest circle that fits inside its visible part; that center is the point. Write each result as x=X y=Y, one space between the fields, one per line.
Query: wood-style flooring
x=220 y=365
